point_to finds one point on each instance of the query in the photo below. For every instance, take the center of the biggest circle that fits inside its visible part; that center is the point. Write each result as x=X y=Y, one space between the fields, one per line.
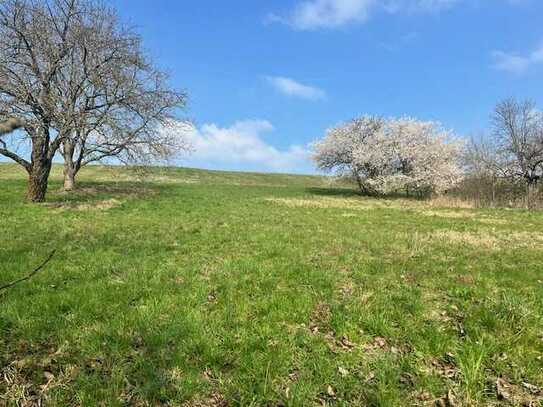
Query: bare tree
x=81 y=84
x=123 y=101
x=514 y=149
x=518 y=128
x=35 y=39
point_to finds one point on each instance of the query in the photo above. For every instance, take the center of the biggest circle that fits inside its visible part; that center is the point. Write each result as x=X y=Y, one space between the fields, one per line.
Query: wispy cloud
x=416 y=6
x=516 y=63
x=290 y=87
x=241 y=147
x=315 y=14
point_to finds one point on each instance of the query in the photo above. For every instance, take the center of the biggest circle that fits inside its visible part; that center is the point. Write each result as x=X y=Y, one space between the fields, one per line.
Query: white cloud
x=315 y=14
x=290 y=87
x=515 y=63
x=241 y=147
x=327 y=13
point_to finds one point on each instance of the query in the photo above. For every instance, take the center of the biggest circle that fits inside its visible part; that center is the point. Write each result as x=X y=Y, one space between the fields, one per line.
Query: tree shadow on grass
x=99 y=195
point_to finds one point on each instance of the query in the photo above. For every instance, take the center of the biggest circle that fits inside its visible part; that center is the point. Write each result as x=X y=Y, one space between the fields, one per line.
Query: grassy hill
x=202 y=288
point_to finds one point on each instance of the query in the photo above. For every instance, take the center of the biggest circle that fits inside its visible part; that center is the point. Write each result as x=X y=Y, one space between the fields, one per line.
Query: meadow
x=201 y=288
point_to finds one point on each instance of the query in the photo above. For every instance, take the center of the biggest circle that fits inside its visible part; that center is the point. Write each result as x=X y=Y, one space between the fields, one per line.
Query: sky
x=267 y=78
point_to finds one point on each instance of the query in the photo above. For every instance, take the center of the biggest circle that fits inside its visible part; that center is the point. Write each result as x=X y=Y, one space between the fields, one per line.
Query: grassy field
x=202 y=288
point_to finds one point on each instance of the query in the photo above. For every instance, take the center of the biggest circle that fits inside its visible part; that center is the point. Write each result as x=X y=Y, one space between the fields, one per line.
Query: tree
x=34 y=42
x=123 y=101
x=386 y=156
x=518 y=129
x=79 y=81
x=336 y=151
x=513 y=150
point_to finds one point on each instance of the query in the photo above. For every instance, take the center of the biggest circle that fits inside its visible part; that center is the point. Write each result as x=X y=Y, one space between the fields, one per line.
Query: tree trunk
x=40 y=166
x=70 y=167
x=69 y=179
x=69 y=175
x=37 y=180
x=494 y=191
x=359 y=182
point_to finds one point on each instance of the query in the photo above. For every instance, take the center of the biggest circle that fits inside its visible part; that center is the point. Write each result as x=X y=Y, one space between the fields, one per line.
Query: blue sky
x=266 y=78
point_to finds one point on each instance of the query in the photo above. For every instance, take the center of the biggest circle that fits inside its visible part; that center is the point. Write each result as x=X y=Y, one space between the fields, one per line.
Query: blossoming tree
x=385 y=156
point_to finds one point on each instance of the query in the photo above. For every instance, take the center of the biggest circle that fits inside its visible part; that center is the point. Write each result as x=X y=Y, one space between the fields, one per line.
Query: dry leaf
x=424 y=396
x=208 y=374
x=381 y=342
x=448 y=400
x=346 y=344
x=502 y=389
x=48 y=375
x=293 y=375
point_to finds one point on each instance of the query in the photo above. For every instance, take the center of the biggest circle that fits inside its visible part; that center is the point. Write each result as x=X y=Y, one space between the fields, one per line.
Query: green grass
x=204 y=288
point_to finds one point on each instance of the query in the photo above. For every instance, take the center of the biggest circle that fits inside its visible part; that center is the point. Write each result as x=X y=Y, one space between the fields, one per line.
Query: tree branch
x=29 y=276
x=19 y=160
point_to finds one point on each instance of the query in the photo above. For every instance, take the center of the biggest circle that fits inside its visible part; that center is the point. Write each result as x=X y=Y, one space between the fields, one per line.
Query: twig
x=34 y=272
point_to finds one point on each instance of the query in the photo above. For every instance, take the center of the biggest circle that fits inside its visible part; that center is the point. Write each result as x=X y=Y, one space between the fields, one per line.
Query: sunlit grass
x=198 y=287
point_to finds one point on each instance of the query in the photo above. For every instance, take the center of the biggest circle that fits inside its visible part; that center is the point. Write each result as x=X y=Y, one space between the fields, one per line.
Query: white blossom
x=386 y=156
